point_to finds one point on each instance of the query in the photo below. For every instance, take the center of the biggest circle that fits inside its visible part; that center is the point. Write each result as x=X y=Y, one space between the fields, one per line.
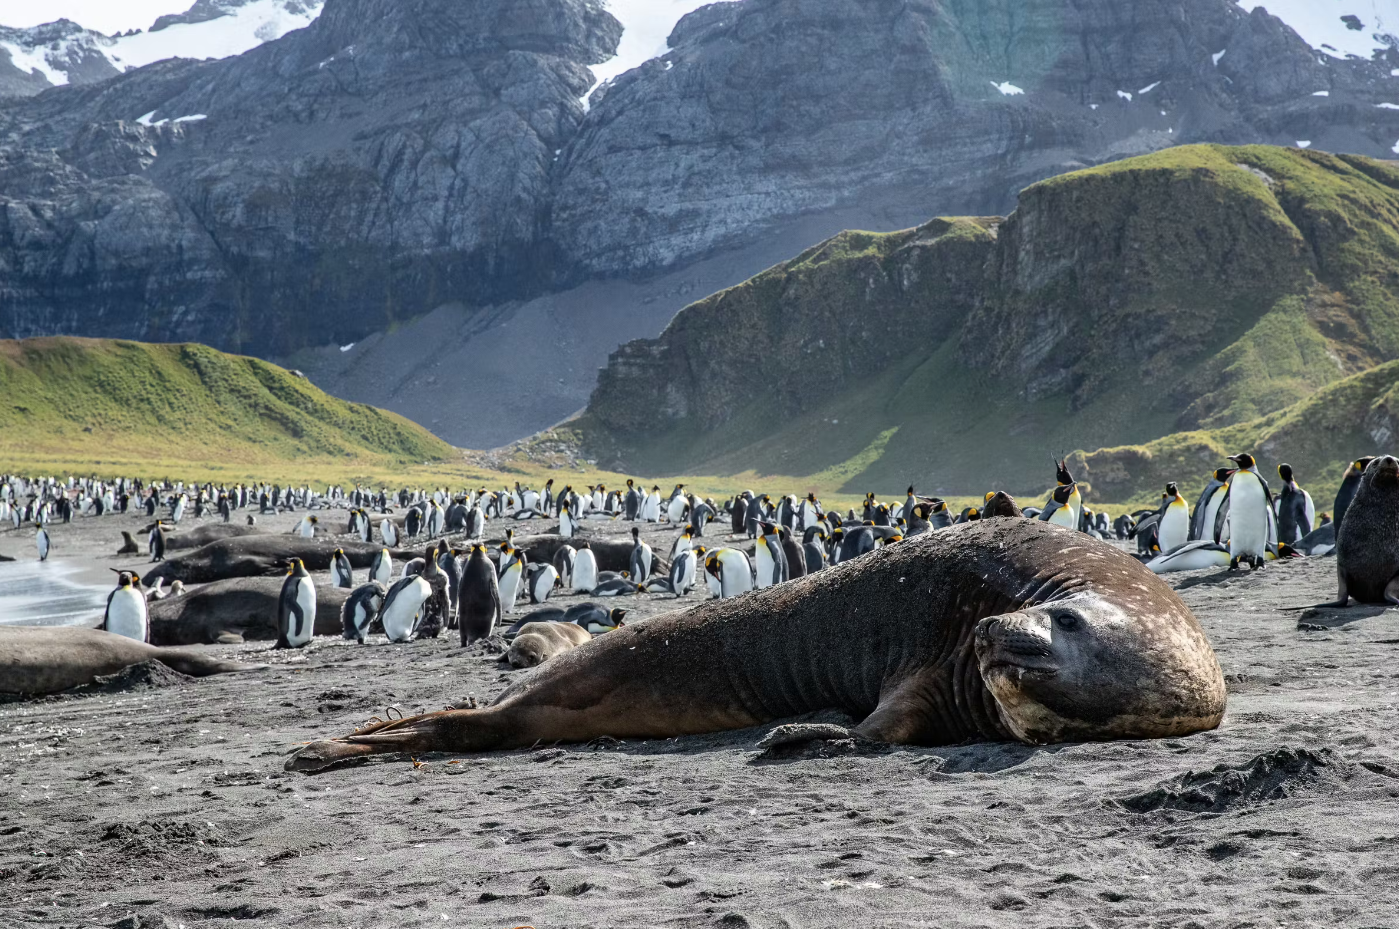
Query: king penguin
x=360 y=610
x=512 y=567
x=584 y=569
x=1250 y=514
x=1173 y=530
x=1296 y=512
x=731 y=571
x=41 y=541
x=478 y=597
x=402 y=606
x=126 y=611
x=381 y=571
x=642 y=558
x=296 y=609
x=341 y=574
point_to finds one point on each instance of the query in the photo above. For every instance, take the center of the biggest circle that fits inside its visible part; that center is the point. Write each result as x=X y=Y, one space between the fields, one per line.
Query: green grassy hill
x=97 y=403
x=1318 y=436
x=1198 y=288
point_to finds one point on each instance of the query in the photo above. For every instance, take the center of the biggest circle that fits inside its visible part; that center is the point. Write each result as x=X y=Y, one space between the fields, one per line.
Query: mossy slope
x=138 y=402
x=1200 y=287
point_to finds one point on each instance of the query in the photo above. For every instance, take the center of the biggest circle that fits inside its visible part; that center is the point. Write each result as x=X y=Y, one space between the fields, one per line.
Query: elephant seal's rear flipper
x=447 y=731
x=196 y=664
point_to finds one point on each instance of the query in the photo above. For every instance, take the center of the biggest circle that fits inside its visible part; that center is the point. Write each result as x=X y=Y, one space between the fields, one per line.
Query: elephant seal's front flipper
x=1001 y=628
x=797 y=733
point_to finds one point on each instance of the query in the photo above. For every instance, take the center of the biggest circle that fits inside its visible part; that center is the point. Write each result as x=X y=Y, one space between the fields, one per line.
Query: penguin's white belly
x=584 y=571
x=544 y=583
x=510 y=589
x=389 y=533
x=402 y=615
x=677 y=510
x=1191 y=559
x=1248 y=517
x=687 y=573
x=1175 y=527
x=737 y=572
x=306 y=599
x=763 y=560
x=1063 y=516
x=126 y=615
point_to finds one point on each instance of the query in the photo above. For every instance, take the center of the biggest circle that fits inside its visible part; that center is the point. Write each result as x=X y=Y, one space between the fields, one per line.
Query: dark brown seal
x=1367 y=544
x=997 y=629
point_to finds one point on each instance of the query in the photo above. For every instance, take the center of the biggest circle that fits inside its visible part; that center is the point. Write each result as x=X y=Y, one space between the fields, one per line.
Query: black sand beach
x=158 y=801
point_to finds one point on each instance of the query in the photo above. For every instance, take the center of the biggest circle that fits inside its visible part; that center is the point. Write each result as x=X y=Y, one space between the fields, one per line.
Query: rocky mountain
x=420 y=182
x=1200 y=287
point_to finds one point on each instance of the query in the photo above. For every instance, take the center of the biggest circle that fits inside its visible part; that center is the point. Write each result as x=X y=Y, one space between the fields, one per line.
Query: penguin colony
x=463 y=584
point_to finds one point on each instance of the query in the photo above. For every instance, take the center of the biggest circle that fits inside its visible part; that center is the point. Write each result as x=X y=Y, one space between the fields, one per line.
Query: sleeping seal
x=538 y=642
x=997 y=629
x=47 y=659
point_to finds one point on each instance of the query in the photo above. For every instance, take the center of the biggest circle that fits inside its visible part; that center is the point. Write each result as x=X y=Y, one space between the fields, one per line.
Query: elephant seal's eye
x=1066 y=621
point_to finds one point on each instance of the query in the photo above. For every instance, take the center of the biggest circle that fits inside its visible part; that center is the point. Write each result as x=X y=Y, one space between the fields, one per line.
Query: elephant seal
x=47 y=659
x=538 y=642
x=1367 y=544
x=203 y=535
x=260 y=556
x=611 y=555
x=239 y=608
x=996 y=629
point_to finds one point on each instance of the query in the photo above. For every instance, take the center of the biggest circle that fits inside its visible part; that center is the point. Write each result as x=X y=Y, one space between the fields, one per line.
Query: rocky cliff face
x=354 y=173
x=396 y=156
x=1201 y=286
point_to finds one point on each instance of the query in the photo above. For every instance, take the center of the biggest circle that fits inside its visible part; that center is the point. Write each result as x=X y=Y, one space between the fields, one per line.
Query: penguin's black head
x=617 y=615
x=1244 y=460
x=1222 y=474
x=124 y=580
x=921 y=511
x=1361 y=464
x=1172 y=490
x=1062 y=493
x=939 y=506
x=1285 y=472
x=1061 y=471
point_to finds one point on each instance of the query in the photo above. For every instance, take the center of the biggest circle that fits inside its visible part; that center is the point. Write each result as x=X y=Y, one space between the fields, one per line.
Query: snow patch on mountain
x=646 y=27
x=1330 y=26
x=64 y=52
x=242 y=28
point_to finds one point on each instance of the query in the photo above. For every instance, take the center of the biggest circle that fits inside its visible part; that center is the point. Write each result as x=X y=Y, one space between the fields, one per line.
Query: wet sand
x=169 y=804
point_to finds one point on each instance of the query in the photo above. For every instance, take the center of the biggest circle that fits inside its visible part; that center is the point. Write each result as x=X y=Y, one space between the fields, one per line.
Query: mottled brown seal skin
x=536 y=643
x=1004 y=628
x=48 y=659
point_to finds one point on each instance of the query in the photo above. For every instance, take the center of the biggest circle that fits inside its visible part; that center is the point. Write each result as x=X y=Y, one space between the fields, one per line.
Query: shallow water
x=47 y=594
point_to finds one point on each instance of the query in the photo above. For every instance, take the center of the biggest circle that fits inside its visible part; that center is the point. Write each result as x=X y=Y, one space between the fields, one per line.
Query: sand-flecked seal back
x=989 y=630
x=47 y=659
